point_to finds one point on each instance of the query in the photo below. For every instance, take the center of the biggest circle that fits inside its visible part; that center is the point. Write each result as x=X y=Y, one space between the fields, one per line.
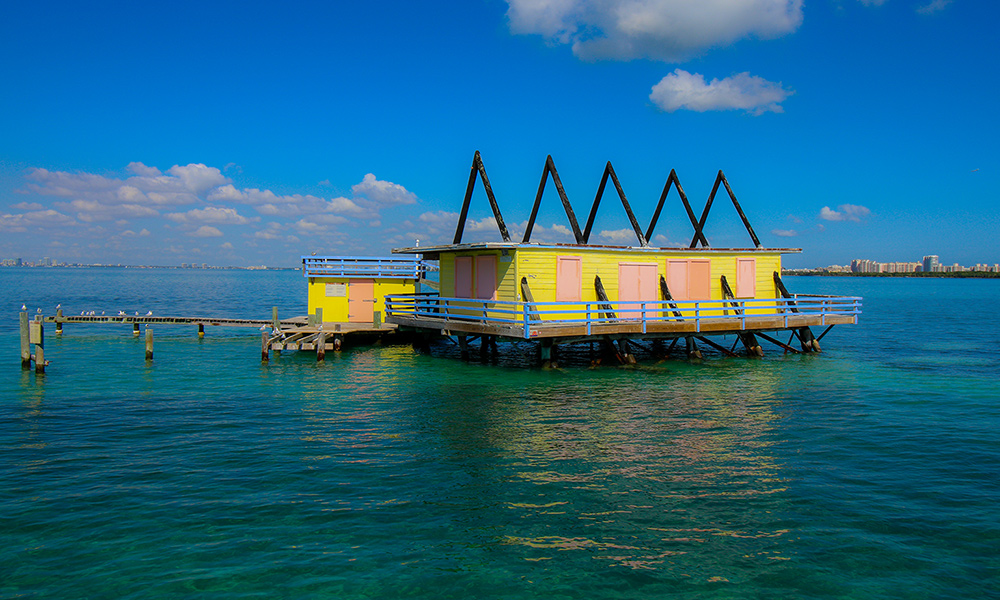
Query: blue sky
x=248 y=133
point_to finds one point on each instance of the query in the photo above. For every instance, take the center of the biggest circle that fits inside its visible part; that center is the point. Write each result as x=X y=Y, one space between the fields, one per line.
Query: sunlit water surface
x=869 y=471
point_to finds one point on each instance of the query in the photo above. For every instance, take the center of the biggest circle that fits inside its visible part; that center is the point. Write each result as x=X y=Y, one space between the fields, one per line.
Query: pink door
x=569 y=278
x=486 y=277
x=677 y=277
x=463 y=276
x=637 y=282
x=699 y=280
x=361 y=301
x=746 y=278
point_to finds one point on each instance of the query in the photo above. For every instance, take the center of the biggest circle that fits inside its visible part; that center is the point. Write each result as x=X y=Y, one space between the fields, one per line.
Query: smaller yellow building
x=352 y=289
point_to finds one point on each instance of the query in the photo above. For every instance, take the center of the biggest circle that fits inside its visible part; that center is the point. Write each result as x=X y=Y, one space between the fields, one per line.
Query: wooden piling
x=463 y=346
x=149 y=343
x=37 y=334
x=321 y=346
x=59 y=325
x=692 y=348
x=265 y=347
x=25 y=342
x=201 y=330
x=338 y=342
x=275 y=322
x=546 y=353
x=135 y=329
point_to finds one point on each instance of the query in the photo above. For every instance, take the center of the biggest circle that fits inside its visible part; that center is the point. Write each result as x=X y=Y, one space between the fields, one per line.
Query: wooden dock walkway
x=300 y=333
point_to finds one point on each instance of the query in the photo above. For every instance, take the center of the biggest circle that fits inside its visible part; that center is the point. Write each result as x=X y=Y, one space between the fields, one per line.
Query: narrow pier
x=301 y=333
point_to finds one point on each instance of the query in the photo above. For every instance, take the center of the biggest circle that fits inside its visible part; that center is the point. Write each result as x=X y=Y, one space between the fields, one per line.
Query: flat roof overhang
x=434 y=252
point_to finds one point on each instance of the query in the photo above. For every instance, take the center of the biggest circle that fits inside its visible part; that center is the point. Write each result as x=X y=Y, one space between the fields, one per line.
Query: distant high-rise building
x=931 y=264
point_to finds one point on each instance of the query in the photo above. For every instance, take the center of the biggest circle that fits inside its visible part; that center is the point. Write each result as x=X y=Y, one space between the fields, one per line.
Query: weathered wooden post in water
x=265 y=347
x=201 y=330
x=37 y=337
x=321 y=345
x=59 y=316
x=135 y=329
x=25 y=342
x=149 y=343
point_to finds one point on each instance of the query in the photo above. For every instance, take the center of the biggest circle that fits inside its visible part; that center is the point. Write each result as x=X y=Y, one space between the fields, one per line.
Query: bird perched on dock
x=102 y=313
x=39 y=311
x=149 y=314
x=24 y=307
x=137 y=313
x=121 y=313
x=58 y=306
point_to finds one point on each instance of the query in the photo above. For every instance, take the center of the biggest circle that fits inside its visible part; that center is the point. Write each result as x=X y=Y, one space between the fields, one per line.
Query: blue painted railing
x=364 y=266
x=526 y=315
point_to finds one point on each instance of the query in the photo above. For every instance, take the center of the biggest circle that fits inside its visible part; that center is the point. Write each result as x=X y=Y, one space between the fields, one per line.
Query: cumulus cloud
x=667 y=30
x=383 y=193
x=218 y=216
x=619 y=236
x=933 y=7
x=784 y=232
x=206 y=231
x=844 y=212
x=90 y=211
x=147 y=186
x=683 y=90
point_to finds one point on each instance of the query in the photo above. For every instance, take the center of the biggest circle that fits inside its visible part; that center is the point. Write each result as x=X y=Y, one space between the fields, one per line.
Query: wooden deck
x=570 y=332
x=331 y=336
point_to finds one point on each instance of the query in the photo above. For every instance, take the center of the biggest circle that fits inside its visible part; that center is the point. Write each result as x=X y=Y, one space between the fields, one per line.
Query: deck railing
x=527 y=316
x=365 y=266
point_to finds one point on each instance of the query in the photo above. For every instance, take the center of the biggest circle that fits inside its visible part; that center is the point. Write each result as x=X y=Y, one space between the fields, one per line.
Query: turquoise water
x=870 y=471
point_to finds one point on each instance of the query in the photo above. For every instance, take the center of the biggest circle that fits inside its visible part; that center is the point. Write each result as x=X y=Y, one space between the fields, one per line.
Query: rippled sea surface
x=869 y=471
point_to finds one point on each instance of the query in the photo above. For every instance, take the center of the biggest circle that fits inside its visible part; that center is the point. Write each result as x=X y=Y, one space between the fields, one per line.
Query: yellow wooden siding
x=506 y=278
x=538 y=266
x=335 y=308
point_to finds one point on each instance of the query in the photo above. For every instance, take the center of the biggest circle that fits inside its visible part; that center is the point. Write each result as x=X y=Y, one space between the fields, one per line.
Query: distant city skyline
x=846 y=128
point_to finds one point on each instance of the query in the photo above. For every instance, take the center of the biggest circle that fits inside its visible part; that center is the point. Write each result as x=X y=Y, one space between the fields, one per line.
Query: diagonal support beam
x=700 y=227
x=479 y=169
x=609 y=171
x=550 y=167
x=672 y=179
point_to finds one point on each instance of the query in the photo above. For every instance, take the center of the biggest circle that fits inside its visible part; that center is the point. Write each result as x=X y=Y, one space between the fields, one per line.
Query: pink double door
x=638 y=282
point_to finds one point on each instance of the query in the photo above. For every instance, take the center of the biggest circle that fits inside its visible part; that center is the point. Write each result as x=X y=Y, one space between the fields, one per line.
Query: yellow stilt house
x=560 y=293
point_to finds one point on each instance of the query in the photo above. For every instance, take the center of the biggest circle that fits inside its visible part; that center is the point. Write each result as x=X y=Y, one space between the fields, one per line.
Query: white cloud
x=619 y=236
x=218 y=216
x=933 y=7
x=667 y=30
x=90 y=211
x=683 y=90
x=206 y=231
x=383 y=193
x=142 y=170
x=844 y=212
x=784 y=232
x=198 y=178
